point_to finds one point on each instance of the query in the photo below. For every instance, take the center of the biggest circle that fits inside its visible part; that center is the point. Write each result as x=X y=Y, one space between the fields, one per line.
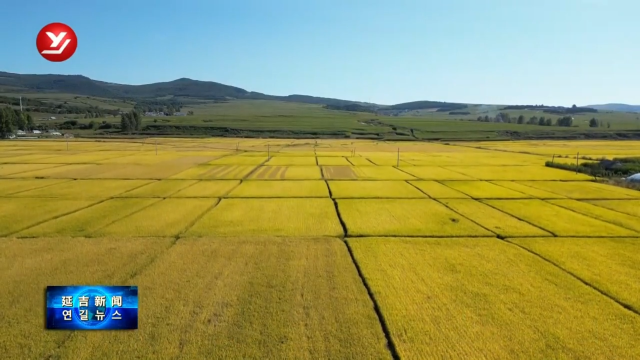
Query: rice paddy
x=304 y=249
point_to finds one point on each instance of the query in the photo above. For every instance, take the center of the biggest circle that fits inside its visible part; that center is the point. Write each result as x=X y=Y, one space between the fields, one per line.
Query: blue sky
x=556 y=52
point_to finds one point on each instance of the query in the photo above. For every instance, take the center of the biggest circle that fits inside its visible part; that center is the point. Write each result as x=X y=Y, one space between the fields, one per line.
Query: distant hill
x=84 y=86
x=617 y=107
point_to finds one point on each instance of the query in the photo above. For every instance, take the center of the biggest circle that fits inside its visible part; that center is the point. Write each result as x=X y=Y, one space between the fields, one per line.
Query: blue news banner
x=92 y=307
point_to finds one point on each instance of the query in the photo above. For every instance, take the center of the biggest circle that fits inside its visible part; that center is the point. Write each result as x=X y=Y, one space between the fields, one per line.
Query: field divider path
x=26 y=171
x=37 y=188
x=583 y=281
x=55 y=217
x=255 y=169
x=587 y=215
x=521 y=219
x=391 y=346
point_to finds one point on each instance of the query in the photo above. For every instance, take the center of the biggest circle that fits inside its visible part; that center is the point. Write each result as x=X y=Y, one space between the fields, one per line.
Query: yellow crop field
x=364 y=173
x=358 y=161
x=516 y=173
x=322 y=248
x=373 y=189
x=438 y=191
x=484 y=190
x=483 y=298
x=207 y=189
x=208 y=172
x=10 y=169
x=13 y=186
x=600 y=213
x=88 y=220
x=275 y=298
x=404 y=217
x=435 y=173
x=169 y=217
x=281 y=188
x=629 y=207
x=279 y=217
x=333 y=161
x=558 y=220
x=291 y=160
x=28 y=266
x=287 y=173
x=85 y=189
x=161 y=188
x=239 y=160
x=18 y=214
x=610 y=265
x=583 y=189
x=531 y=191
x=494 y=220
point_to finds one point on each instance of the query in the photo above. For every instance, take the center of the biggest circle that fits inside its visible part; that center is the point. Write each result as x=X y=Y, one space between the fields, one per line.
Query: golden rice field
x=322 y=249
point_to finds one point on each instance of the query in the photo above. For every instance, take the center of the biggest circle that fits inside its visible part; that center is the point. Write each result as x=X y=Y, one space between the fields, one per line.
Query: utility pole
x=20 y=103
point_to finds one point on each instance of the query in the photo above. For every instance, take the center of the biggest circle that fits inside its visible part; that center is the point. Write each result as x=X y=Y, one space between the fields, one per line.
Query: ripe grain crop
x=408 y=217
x=9 y=169
x=492 y=219
x=435 y=173
x=531 y=191
x=438 y=191
x=162 y=188
x=281 y=188
x=610 y=265
x=291 y=160
x=208 y=172
x=359 y=161
x=596 y=212
x=629 y=207
x=207 y=188
x=278 y=217
x=169 y=217
x=287 y=172
x=85 y=189
x=557 y=220
x=28 y=266
x=373 y=189
x=18 y=214
x=364 y=173
x=57 y=171
x=529 y=172
x=239 y=160
x=470 y=298
x=12 y=186
x=87 y=221
x=484 y=190
x=581 y=189
x=333 y=161
x=248 y=298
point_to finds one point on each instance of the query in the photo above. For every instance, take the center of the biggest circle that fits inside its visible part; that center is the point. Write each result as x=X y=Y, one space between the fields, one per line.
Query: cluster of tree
x=11 y=120
x=168 y=107
x=604 y=167
x=34 y=105
x=130 y=121
x=504 y=117
x=459 y=113
x=598 y=123
x=552 y=109
x=350 y=107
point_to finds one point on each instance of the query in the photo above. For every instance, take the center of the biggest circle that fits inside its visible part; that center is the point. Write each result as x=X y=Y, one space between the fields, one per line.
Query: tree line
x=565 y=121
x=11 y=119
x=130 y=121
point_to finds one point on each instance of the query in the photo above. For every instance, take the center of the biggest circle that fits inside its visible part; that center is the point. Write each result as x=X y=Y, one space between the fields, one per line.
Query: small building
x=37 y=132
x=52 y=118
x=20 y=132
x=179 y=114
x=633 y=178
